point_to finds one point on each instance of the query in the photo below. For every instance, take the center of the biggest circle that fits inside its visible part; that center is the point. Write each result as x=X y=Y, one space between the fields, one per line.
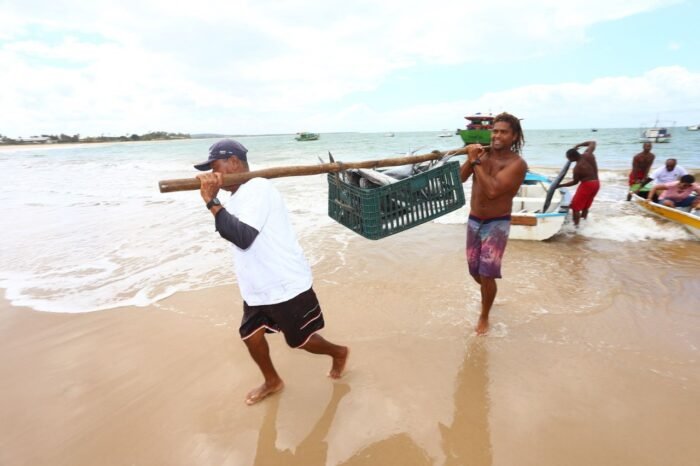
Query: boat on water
x=693 y=127
x=304 y=136
x=478 y=129
x=446 y=134
x=540 y=208
x=656 y=133
x=673 y=214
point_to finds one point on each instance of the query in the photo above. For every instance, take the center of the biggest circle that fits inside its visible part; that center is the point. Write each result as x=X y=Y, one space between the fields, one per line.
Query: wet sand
x=592 y=359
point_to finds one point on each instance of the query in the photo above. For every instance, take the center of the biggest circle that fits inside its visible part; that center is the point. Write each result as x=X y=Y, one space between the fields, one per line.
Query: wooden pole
x=190 y=184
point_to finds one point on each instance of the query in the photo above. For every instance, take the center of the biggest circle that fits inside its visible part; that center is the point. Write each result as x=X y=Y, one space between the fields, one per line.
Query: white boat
x=539 y=208
x=693 y=127
x=447 y=133
x=656 y=134
x=690 y=221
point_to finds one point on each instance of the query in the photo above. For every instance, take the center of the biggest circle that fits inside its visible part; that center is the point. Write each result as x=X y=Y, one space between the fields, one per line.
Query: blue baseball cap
x=222 y=150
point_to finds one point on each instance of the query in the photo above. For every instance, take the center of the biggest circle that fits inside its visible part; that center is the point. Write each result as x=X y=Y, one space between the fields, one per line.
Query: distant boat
x=389 y=135
x=693 y=127
x=304 y=136
x=478 y=129
x=594 y=130
x=446 y=134
x=656 y=133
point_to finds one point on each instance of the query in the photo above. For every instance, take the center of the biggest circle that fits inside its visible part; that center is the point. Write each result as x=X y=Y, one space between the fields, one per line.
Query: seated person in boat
x=681 y=193
x=671 y=171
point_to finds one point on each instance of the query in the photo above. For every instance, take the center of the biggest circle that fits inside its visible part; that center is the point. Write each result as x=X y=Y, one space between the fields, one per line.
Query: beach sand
x=590 y=361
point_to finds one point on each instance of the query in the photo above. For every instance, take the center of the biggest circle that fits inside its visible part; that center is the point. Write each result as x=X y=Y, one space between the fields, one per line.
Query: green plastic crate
x=379 y=212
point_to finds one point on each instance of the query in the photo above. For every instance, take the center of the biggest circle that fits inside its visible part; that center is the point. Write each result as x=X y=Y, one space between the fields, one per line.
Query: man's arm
x=474 y=152
x=655 y=174
x=589 y=145
x=232 y=229
x=567 y=184
x=227 y=224
x=507 y=180
x=465 y=171
x=585 y=144
x=648 y=165
x=654 y=190
x=573 y=182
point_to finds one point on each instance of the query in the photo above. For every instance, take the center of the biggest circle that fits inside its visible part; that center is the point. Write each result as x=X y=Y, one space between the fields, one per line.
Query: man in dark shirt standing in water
x=498 y=173
x=586 y=173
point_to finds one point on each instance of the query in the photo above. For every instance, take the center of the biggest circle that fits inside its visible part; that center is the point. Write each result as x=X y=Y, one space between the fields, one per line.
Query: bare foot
x=482 y=326
x=262 y=392
x=338 y=367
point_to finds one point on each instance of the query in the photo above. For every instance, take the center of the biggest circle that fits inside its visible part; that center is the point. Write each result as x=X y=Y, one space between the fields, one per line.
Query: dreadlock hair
x=514 y=123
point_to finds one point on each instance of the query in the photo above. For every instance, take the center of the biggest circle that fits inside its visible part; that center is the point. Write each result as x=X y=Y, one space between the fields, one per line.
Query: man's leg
x=488 y=295
x=318 y=345
x=577 y=216
x=584 y=214
x=260 y=352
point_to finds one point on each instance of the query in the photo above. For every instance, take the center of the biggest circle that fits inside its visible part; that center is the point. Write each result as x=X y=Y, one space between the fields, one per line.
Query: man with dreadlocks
x=498 y=171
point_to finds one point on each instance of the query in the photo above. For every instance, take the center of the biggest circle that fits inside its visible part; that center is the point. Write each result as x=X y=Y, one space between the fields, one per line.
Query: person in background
x=641 y=164
x=274 y=277
x=586 y=173
x=671 y=171
x=497 y=176
x=678 y=193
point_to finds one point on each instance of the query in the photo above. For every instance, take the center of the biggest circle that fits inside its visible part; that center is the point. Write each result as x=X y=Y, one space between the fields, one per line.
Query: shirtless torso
x=586 y=168
x=641 y=163
x=507 y=171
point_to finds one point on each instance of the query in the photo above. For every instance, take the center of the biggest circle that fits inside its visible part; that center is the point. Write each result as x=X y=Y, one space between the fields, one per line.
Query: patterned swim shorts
x=486 y=242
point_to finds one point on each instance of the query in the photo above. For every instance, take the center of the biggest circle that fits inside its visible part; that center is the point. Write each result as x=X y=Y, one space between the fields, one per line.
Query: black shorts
x=298 y=318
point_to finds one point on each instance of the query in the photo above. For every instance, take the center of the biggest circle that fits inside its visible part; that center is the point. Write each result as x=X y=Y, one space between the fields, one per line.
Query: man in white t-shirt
x=274 y=277
x=668 y=173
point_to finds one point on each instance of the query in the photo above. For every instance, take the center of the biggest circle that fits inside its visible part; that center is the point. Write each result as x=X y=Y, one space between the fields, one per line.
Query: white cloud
x=619 y=101
x=71 y=66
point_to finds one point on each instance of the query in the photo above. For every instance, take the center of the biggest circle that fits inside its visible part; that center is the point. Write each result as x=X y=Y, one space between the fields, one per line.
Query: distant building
x=35 y=140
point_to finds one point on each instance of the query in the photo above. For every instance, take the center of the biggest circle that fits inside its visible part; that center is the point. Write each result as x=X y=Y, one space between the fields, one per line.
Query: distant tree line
x=64 y=138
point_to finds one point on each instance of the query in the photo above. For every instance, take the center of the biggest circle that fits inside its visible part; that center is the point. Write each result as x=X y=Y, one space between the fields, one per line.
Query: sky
x=261 y=67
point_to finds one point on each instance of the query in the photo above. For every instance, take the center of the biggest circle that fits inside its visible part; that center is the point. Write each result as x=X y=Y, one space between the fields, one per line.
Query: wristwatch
x=213 y=202
x=475 y=162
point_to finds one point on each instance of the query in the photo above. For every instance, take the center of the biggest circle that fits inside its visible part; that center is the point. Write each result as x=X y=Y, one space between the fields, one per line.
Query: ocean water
x=85 y=227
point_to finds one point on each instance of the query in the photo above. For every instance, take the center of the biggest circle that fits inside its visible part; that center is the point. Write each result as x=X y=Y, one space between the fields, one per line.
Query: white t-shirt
x=663 y=176
x=273 y=269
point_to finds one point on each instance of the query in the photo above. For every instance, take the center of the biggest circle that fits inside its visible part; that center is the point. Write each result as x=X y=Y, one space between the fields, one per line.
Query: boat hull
x=539 y=211
x=475 y=136
x=536 y=227
x=689 y=221
x=656 y=139
x=307 y=137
